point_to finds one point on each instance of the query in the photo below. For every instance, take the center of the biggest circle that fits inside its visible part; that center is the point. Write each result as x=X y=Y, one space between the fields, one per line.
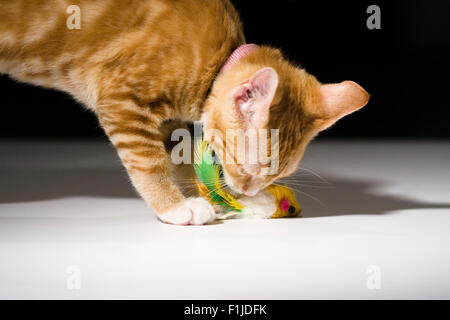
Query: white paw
x=191 y=211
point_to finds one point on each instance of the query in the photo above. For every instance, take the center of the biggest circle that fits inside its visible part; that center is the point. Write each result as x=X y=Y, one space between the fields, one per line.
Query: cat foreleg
x=136 y=136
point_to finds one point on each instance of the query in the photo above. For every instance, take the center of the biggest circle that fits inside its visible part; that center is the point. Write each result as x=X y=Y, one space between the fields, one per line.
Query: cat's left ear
x=253 y=97
x=339 y=100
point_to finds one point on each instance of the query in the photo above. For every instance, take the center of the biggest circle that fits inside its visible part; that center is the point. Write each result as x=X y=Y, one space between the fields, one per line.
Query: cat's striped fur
x=146 y=66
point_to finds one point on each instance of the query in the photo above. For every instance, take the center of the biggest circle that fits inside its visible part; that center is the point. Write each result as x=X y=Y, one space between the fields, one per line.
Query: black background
x=404 y=66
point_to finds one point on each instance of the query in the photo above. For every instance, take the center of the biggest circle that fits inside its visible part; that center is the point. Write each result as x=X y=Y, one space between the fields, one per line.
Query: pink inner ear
x=242 y=94
x=264 y=80
x=253 y=97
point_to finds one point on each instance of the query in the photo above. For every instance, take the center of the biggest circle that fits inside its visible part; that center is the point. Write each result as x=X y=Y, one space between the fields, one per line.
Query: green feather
x=205 y=168
x=208 y=174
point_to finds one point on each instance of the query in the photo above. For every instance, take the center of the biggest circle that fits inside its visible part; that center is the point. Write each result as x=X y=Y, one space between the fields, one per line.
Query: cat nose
x=250 y=191
x=253 y=169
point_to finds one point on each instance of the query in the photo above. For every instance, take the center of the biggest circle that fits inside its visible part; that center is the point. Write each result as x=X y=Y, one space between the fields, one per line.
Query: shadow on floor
x=32 y=184
x=346 y=197
x=343 y=198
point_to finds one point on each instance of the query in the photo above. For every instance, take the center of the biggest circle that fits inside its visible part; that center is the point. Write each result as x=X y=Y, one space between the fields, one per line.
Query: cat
x=147 y=67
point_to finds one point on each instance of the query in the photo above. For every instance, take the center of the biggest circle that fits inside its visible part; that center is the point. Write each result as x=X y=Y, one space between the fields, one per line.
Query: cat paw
x=192 y=211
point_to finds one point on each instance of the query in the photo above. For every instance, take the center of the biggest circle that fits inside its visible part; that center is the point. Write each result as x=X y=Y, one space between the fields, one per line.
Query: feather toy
x=274 y=202
x=208 y=183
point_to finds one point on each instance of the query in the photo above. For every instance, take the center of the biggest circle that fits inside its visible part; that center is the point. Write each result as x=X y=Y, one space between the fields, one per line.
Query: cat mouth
x=235 y=193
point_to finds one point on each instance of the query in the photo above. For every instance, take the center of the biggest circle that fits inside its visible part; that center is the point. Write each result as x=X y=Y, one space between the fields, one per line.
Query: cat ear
x=252 y=98
x=339 y=100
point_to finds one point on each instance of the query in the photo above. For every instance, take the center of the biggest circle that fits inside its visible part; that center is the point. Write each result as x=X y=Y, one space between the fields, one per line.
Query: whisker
x=313 y=173
x=304 y=181
x=309 y=196
x=309 y=186
x=315 y=199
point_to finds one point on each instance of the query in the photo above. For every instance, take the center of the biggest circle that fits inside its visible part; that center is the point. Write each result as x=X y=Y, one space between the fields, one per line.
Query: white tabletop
x=376 y=224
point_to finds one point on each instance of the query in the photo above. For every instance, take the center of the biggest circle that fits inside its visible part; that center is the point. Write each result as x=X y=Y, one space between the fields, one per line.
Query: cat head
x=262 y=90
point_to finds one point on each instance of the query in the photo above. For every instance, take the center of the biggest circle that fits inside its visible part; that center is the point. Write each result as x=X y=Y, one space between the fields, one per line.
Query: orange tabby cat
x=138 y=64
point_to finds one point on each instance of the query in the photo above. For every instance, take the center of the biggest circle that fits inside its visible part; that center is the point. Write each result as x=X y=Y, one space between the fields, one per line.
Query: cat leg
x=134 y=131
